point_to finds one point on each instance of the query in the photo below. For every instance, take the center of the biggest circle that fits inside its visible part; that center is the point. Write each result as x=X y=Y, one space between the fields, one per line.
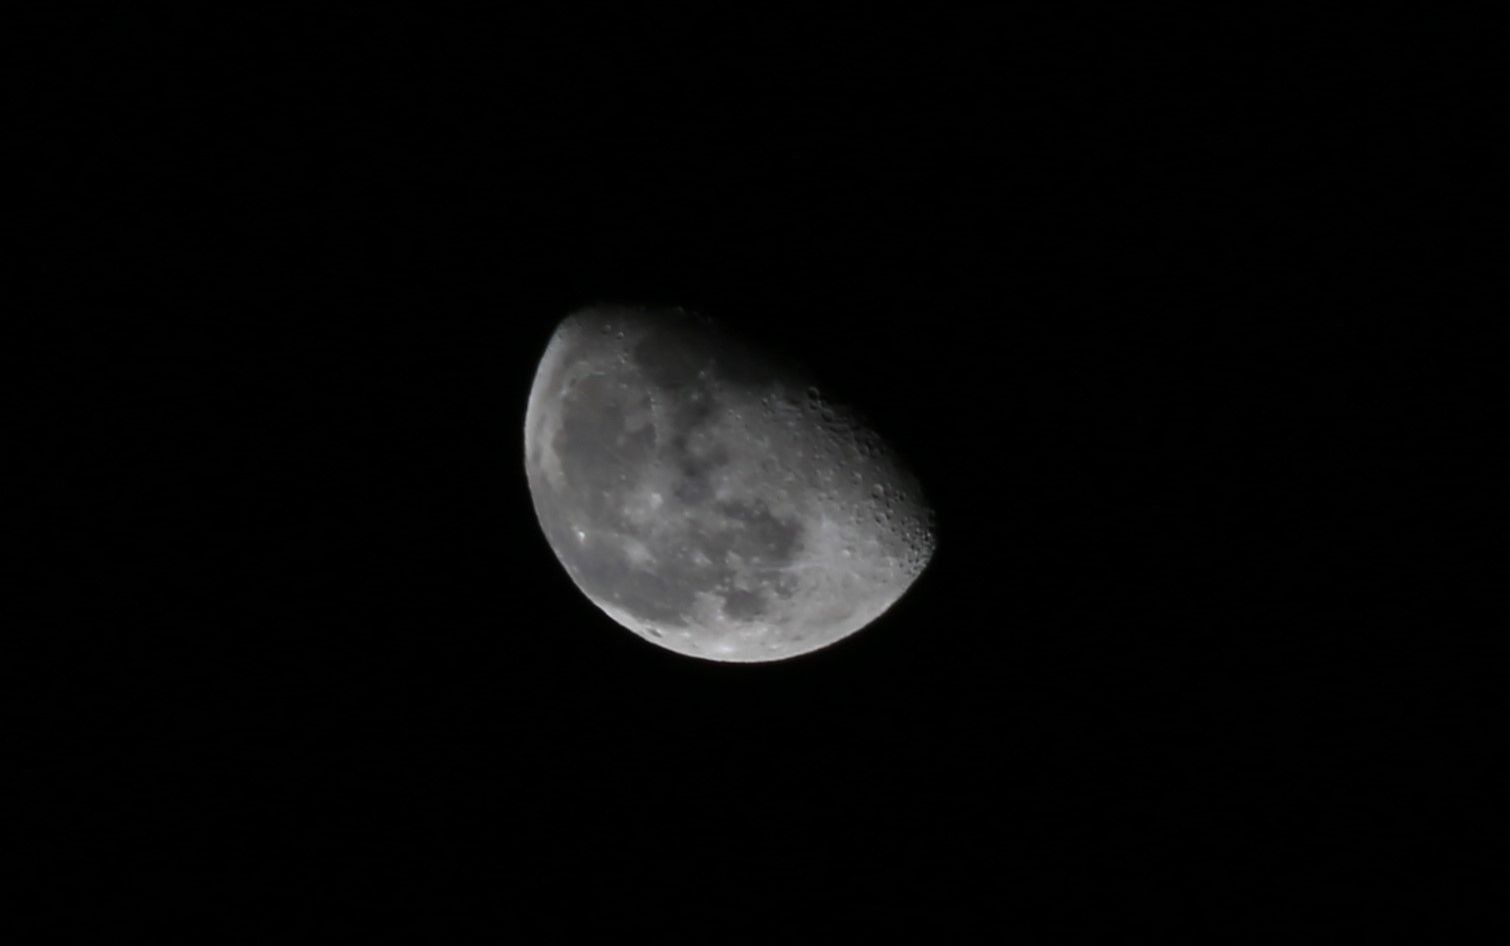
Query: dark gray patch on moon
x=709 y=499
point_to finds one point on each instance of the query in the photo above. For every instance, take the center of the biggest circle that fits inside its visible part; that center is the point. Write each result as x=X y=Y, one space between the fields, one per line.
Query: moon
x=708 y=497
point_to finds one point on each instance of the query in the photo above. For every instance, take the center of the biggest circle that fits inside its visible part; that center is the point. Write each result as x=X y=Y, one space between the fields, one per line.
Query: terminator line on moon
x=709 y=499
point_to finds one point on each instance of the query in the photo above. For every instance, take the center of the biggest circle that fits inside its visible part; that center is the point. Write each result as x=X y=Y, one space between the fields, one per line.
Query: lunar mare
x=709 y=499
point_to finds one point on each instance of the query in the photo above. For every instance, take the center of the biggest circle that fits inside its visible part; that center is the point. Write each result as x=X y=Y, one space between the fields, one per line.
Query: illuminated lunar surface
x=708 y=499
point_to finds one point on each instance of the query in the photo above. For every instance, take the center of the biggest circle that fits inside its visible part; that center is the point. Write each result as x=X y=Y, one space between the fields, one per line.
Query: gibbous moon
x=710 y=499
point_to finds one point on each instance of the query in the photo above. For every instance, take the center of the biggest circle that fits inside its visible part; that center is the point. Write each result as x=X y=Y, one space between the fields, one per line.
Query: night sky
x=1118 y=291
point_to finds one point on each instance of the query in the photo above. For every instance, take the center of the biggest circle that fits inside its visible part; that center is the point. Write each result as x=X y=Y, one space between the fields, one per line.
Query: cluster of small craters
x=887 y=494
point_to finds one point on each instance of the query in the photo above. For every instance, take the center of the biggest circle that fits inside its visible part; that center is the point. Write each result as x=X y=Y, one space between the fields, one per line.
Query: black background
x=1125 y=294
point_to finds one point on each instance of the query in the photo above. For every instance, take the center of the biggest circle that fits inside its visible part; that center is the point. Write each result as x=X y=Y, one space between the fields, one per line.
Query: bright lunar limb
x=709 y=499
